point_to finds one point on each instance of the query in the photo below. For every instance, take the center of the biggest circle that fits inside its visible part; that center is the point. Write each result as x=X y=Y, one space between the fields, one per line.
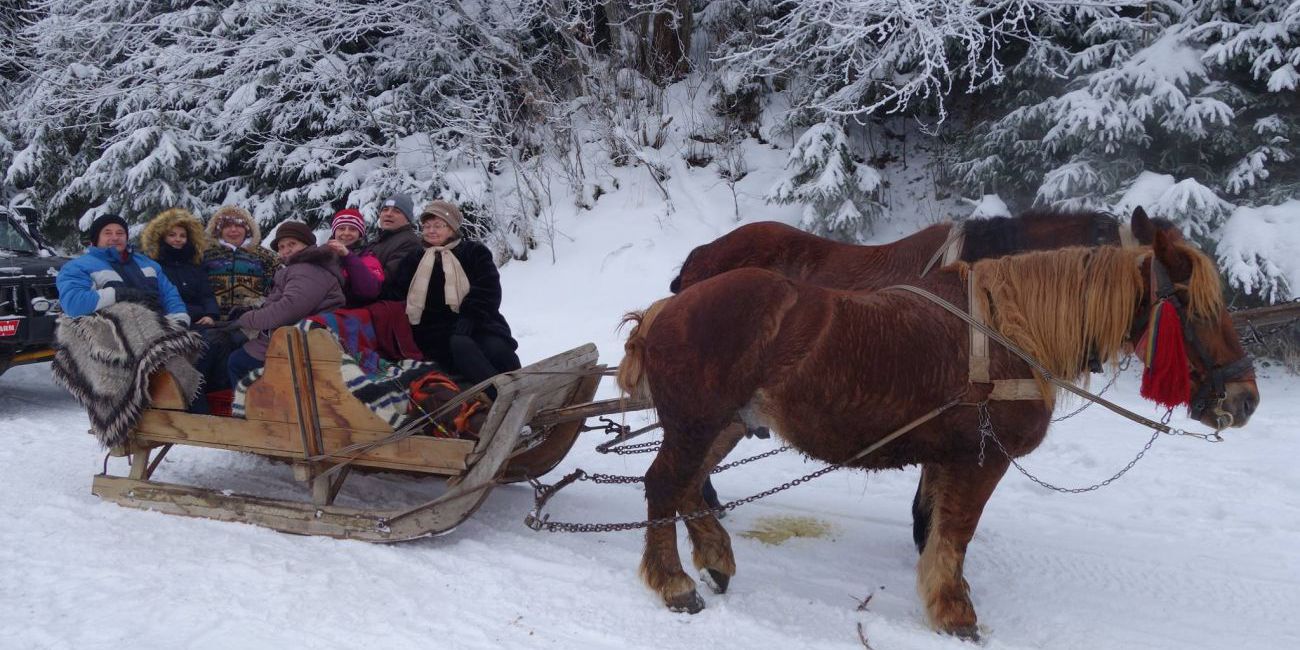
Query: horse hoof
x=966 y=633
x=716 y=580
x=689 y=603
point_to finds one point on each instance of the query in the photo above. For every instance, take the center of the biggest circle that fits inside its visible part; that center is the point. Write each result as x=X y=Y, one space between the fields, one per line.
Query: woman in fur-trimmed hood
x=240 y=270
x=175 y=239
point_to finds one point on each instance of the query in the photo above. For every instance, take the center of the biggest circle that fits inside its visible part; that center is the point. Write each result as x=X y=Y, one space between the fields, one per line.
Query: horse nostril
x=1248 y=405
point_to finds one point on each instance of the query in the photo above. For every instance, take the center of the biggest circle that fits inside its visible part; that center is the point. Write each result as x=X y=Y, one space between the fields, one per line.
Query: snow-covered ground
x=1195 y=548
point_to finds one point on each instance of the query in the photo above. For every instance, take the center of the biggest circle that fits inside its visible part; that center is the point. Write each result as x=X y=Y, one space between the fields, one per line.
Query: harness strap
x=979 y=343
x=950 y=250
x=1004 y=390
x=1033 y=363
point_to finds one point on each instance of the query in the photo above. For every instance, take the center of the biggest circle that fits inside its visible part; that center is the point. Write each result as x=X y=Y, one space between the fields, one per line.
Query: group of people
x=220 y=280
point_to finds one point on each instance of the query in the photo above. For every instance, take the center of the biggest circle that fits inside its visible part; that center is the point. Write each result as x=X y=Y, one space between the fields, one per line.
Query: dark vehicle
x=29 y=301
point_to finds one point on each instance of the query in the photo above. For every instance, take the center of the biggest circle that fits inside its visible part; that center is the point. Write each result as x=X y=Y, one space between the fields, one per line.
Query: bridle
x=1213 y=389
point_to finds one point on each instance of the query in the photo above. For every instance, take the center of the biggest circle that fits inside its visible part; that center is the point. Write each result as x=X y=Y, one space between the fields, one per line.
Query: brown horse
x=836 y=265
x=834 y=372
x=828 y=263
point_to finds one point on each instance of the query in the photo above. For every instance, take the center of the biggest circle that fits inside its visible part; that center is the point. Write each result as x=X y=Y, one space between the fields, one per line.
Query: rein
x=1046 y=374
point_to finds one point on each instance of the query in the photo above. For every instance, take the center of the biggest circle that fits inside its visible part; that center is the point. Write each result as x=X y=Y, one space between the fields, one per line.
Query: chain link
x=620 y=479
x=538 y=521
x=639 y=448
x=1123 y=366
x=986 y=433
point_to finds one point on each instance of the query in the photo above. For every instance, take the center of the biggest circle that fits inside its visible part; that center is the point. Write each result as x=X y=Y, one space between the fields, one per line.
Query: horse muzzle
x=1233 y=410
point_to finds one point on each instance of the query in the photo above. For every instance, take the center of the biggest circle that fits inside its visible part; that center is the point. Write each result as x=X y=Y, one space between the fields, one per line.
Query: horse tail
x=631 y=372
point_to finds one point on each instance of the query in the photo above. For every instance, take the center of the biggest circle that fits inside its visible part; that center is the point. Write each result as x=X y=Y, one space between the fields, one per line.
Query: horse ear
x=1175 y=260
x=1142 y=226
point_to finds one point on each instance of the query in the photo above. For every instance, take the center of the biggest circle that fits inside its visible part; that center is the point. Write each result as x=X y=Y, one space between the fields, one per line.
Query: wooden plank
x=1265 y=316
x=443 y=514
x=559 y=439
x=272 y=398
x=581 y=412
x=327 y=352
x=282 y=439
x=164 y=393
x=286 y=516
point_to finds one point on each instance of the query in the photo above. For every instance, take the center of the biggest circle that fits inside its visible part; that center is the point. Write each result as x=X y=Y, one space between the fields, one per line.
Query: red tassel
x=1166 y=380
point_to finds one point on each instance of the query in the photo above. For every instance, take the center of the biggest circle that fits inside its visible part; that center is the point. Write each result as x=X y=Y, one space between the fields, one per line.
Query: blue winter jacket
x=87 y=283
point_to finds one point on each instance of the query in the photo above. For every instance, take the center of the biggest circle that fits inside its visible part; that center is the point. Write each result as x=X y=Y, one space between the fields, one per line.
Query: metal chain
x=639 y=448
x=1123 y=366
x=632 y=478
x=986 y=433
x=537 y=521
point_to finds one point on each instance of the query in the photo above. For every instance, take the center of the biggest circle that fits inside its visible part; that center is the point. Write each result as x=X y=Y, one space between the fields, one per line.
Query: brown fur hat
x=151 y=238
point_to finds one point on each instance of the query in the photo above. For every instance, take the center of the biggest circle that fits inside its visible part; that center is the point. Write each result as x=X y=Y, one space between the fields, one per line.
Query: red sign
x=9 y=327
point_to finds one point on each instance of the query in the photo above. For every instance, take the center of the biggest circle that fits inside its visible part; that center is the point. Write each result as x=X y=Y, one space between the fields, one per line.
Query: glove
x=464 y=326
x=139 y=296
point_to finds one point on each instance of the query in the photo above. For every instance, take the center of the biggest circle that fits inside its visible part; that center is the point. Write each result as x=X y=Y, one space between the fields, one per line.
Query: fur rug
x=105 y=359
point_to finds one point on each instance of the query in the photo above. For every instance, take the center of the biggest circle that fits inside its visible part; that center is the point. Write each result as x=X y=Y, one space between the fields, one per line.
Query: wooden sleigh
x=300 y=411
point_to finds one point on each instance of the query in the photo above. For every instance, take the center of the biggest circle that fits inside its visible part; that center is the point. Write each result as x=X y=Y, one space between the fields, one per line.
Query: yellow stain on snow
x=777 y=529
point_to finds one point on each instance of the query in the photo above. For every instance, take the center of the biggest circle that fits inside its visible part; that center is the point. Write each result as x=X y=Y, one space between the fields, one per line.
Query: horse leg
x=672 y=473
x=922 y=504
x=710 y=543
x=958 y=493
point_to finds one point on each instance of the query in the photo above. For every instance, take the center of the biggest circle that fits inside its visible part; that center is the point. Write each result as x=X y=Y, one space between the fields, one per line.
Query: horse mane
x=1034 y=300
x=999 y=236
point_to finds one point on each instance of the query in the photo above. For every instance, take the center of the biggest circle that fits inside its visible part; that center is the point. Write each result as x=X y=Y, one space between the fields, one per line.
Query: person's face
x=112 y=236
x=234 y=234
x=347 y=234
x=390 y=218
x=288 y=247
x=436 y=232
x=177 y=237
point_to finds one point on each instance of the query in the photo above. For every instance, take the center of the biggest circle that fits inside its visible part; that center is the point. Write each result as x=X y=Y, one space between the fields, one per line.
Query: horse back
x=799 y=255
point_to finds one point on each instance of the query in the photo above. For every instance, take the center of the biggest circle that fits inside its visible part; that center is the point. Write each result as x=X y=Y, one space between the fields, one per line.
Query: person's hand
x=205 y=321
x=464 y=326
x=338 y=247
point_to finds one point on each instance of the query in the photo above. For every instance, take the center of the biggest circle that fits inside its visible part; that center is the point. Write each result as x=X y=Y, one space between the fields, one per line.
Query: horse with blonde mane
x=805 y=257
x=834 y=372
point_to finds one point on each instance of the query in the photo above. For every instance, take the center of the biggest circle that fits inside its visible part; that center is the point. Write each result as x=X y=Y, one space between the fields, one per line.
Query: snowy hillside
x=1195 y=548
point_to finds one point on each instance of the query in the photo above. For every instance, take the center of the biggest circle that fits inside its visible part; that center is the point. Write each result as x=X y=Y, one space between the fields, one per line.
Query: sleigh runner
x=300 y=411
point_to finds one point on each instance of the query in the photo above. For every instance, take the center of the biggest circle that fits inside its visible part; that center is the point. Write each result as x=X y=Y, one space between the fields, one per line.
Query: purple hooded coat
x=309 y=284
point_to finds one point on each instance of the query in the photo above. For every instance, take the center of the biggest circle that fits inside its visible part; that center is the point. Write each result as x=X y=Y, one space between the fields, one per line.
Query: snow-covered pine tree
x=838 y=193
x=1252 y=48
x=1199 y=90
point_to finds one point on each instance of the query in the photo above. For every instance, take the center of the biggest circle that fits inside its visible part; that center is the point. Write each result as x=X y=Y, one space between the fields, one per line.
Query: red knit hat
x=349 y=217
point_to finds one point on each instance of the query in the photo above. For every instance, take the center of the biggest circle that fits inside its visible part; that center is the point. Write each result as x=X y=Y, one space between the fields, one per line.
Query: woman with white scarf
x=453 y=299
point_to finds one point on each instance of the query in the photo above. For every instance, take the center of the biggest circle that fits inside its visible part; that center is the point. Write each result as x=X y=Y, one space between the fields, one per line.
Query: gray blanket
x=105 y=359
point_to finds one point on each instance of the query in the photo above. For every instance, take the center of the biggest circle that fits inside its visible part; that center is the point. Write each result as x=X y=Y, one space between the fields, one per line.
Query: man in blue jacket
x=110 y=272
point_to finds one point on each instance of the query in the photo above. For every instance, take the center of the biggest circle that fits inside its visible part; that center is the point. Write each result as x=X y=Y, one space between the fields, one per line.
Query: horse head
x=1223 y=391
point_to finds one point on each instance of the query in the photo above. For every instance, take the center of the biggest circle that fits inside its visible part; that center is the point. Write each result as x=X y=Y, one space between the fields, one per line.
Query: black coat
x=481 y=306
x=191 y=281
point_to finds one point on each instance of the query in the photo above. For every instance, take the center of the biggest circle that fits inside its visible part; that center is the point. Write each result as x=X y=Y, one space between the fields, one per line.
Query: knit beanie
x=293 y=230
x=349 y=217
x=400 y=201
x=99 y=223
x=442 y=210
